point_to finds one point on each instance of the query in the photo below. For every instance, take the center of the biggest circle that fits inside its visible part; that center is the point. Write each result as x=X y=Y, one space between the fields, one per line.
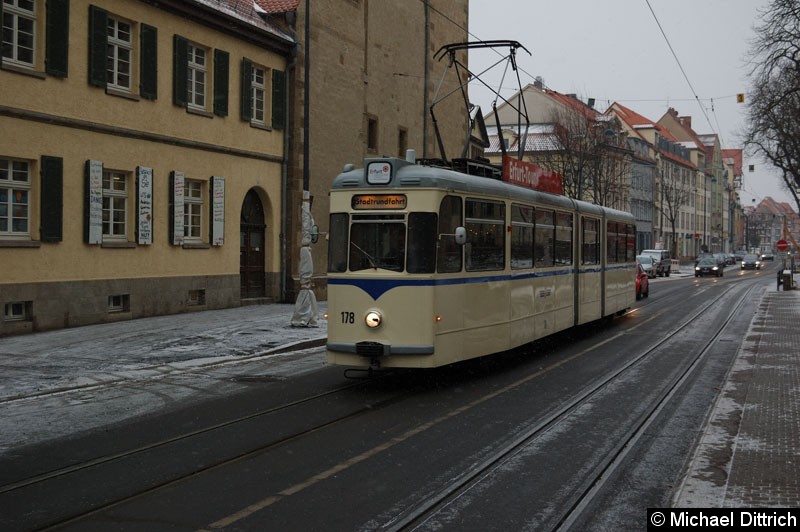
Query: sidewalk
x=45 y=362
x=749 y=454
x=58 y=383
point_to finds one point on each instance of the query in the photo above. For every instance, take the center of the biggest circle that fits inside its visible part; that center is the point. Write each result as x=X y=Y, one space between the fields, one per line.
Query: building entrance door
x=252 y=254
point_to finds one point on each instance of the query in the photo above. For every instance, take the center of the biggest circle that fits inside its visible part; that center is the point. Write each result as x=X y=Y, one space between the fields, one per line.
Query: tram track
x=413 y=516
x=72 y=475
x=416 y=517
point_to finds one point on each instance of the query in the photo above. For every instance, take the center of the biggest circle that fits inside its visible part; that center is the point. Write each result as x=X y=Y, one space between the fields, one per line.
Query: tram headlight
x=373 y=319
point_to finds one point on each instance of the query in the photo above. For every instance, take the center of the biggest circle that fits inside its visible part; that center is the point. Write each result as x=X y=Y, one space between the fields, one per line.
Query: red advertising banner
x=531 y=175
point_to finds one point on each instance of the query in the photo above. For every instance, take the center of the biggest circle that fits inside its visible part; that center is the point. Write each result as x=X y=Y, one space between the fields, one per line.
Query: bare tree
x=592 y=158
x=673 y=195
x=773 y=129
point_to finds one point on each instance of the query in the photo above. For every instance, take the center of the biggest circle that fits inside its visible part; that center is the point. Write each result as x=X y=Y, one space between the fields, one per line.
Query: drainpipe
x=425 y=87
x=288 y=146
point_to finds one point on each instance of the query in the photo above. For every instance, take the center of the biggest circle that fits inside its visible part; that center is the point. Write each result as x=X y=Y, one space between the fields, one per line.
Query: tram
x=428 y=266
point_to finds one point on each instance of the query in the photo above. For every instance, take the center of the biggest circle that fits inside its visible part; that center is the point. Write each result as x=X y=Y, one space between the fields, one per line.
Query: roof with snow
x=249 y=12
x=277 y=6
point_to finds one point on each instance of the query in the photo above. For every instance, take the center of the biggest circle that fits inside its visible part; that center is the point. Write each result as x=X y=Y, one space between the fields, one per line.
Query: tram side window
x=485 y=224
x=631 y=244
x=591 y=241
x=615 y=242
x=544 y=243
x=421 y=242
x=337 y=243
x=563 y=238
x=521 y=237
x=448 y=255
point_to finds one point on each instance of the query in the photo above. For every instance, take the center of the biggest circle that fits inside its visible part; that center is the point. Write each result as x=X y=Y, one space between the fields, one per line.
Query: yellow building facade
x=142 y=160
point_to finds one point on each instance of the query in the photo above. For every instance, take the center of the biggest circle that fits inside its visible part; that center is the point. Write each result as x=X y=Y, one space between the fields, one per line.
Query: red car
x=642 y=282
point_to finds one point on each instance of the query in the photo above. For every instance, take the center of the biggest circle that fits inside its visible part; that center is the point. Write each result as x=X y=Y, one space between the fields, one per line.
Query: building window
x=197 y=76
x=115 y=201
x=372 y=134
x=119 y=303
x=192 y=210
x=19 y=35
x=15 y=185
x=17 y=311
x=120 y=51
x=258 y=92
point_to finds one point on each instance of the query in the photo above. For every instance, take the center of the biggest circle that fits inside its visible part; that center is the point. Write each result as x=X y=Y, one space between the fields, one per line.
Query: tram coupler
x=357 y=373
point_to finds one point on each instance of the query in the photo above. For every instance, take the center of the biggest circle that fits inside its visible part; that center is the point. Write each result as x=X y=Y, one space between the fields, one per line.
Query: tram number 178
x=348 y=317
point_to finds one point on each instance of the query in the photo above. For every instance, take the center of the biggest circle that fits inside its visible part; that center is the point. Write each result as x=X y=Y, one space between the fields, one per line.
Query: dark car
x=708 y=266
x=751 y=262
x=642 y=282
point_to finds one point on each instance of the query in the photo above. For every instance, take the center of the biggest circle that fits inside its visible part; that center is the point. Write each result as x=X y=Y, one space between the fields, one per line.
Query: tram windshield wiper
x=370 y=258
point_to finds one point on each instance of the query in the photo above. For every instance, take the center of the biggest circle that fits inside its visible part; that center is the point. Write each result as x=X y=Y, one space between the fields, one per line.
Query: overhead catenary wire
x=696 y=98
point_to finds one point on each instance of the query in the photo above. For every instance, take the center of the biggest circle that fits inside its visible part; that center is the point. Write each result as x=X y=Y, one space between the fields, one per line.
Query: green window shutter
x=221 y=67
x=148 y=70
x=279 y=102
x=56 y=54
x=98 y=42
x=180 y=70
x=52 y=199
x=247 y=79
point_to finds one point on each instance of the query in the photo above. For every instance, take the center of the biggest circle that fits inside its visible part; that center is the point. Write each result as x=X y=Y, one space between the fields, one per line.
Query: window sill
x=262 y=127
x=118 y=245
x=23 y=70
x=20 y=244
x=196 y=245
x=199 y=112
x=122 y=94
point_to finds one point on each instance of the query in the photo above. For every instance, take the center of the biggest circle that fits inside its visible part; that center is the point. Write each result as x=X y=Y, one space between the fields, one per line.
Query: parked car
x=730 y=260
x=751 y=262
x=720 y=258
x=648 y=265
x=642 y=283
x=708 y=266
x=739 y=255
x=662 y=259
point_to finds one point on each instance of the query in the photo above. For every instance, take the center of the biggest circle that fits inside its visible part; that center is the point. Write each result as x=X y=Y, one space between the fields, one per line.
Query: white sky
x=613 y=50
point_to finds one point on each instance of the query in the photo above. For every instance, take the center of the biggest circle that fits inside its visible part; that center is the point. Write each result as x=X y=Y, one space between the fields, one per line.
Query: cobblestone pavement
x=749 y=455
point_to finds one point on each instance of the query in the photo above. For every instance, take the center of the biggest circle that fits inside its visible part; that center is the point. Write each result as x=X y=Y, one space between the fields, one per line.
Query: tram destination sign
x=531 y=175
x=378 y=202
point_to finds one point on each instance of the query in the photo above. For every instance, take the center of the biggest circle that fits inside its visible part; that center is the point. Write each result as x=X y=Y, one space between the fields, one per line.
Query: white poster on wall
x=94 y=193
x=144 y=226
x=178 y=183
x=217 y=211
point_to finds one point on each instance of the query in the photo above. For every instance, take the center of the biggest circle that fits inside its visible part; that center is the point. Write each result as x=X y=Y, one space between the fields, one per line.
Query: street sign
x=781 y=245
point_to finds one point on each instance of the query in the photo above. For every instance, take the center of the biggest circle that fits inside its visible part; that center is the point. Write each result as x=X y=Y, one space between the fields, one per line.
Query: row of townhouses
x=682 y=186
x=155 y=153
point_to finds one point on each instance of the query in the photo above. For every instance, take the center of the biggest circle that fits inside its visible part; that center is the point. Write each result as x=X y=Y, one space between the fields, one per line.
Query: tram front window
x=377 y=245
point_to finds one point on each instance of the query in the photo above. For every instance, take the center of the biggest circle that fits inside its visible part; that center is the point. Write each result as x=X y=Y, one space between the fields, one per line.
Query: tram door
x=251 y=243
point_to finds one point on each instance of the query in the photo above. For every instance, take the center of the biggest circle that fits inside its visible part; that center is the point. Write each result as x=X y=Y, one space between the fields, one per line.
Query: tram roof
x=410 y=175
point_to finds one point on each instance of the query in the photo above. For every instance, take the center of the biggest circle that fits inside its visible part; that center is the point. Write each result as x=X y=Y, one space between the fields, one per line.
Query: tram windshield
x=377 y=245
x=383 y=242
